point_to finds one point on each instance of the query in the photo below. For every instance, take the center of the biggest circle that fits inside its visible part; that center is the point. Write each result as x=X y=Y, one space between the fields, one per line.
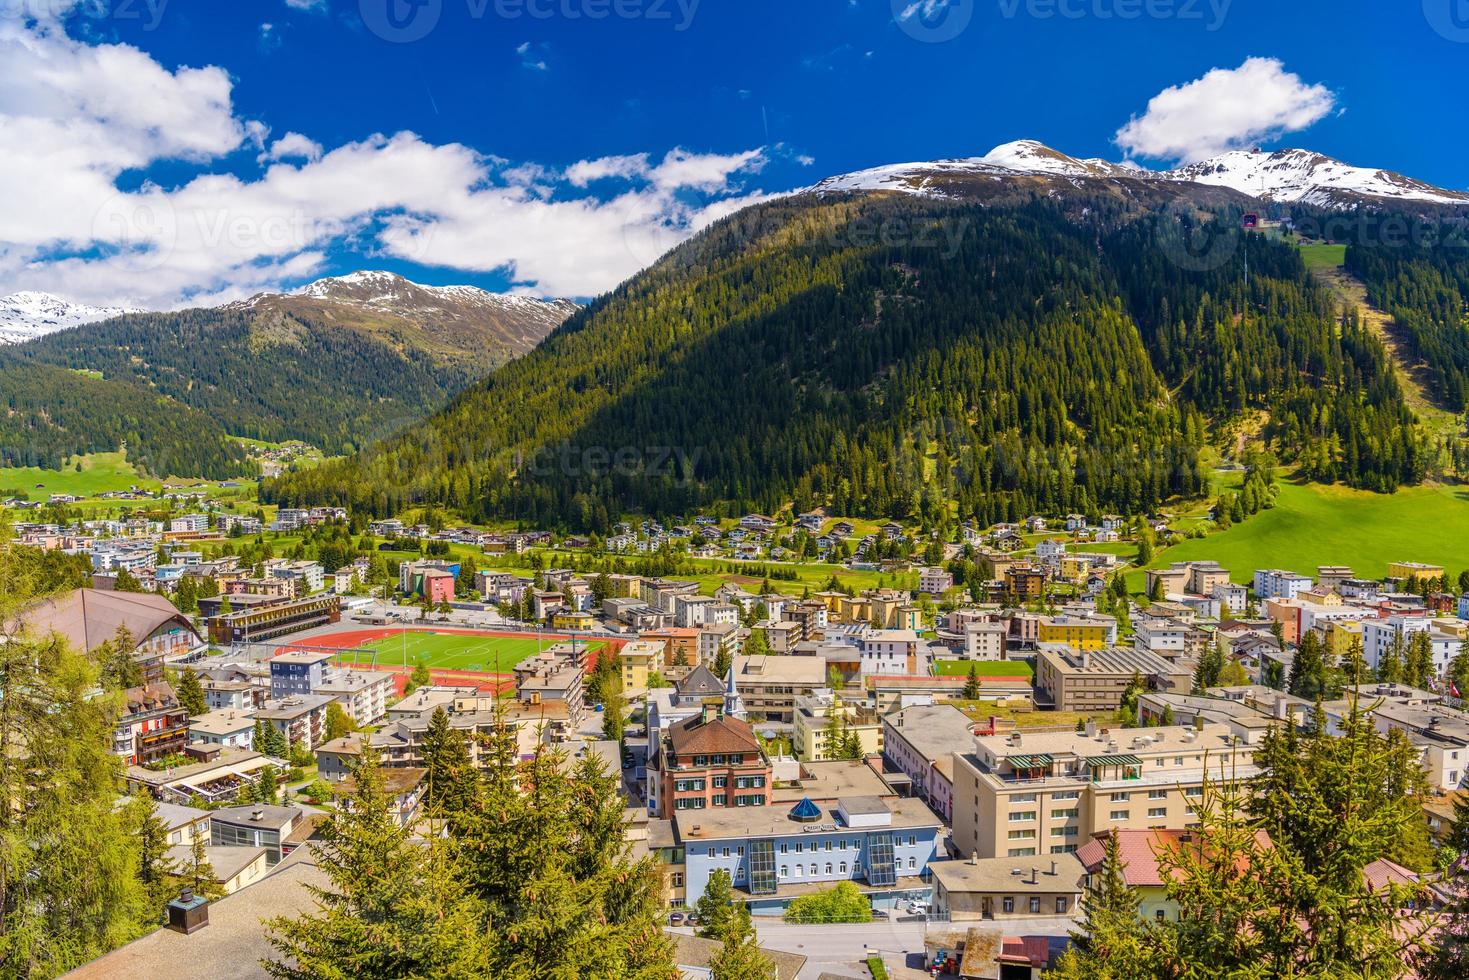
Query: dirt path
x=1412 y=372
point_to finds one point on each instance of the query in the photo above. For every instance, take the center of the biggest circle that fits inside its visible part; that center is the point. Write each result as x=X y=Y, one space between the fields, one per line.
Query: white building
x=1274 y=583
x=984 y=641
x=934 y=581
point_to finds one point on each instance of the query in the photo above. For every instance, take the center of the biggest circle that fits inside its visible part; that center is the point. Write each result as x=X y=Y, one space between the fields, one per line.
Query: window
x=800 y=871
x=720 y=782
x=1069 y=794
x=1022 y=852
x=912 y=863
x=1065 y=814
x=1008 y=903
x=1120 y=814
x=724 y=852
x=678 y=879
x=1160 y=915
x=828 y=867
x=1121 y=797
x=762 y=867
x=912 y=840
x=783 y=848
x=1157 y=794
x=1035 y=906
x=1021 y=835
x=1194 y=791
x=880 y=859
x=1157 y=812
x=740 y=851
x=1022 y=816
x=711 y=852
x=1023 y=798
x=1061 y=906
x=1070 y=831
x=785 y=871
x=843 y=867
x=800 y=847
x=718 y=760
x=701 y=760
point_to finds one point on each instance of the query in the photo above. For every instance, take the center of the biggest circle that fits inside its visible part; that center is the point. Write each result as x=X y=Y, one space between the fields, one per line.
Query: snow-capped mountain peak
x=28 y=315
x=1292 y=176
x=1286 y=176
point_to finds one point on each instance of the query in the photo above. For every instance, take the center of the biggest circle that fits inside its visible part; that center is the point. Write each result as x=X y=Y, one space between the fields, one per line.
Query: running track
x=488 y=682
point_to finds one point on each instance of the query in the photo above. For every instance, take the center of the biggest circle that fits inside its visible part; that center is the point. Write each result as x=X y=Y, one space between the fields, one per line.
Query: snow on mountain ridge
x=27 y=315
x=1287 y=176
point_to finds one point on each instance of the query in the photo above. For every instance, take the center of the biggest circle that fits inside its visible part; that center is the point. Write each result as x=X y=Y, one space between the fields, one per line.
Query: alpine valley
x=985 y=338
x=335 y=364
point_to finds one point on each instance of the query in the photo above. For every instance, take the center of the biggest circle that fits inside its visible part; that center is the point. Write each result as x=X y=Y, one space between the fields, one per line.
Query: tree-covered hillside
x=272 y=376
x=1420 y=277
x=52 y=413
x=887 y=355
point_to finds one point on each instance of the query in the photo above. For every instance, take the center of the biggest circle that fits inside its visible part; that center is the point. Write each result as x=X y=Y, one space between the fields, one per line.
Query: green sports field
x=451 y=651
x=983 y=668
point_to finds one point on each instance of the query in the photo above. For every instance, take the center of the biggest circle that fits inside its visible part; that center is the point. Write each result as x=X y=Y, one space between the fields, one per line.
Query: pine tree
x=1112 y=942
x=191 y=693
x=972 y=688
x=740 y=956
x=396 y=907
x=71 y=874
x=156 y=870
x=267 y=788
x=452 y=777
x=715 y=908
x=1390 y=666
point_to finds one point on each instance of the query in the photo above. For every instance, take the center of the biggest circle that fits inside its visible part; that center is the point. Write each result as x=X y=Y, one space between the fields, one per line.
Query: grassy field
x=983 y=668
x=1317 y=525
x=1323 y=256
x=449 y=651
x=99 y=473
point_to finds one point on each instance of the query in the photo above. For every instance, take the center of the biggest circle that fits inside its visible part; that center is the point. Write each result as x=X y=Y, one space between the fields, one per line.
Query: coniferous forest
x=884 y=356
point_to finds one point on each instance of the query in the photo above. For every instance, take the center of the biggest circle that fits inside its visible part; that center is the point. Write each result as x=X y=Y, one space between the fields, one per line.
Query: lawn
x=452 y=651
x=1315 y=525
x=983 y=668
x=100 y=472
x=1323 y=256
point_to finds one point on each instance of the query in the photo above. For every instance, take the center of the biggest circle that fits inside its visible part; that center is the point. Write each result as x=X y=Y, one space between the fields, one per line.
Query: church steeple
x=734 y=706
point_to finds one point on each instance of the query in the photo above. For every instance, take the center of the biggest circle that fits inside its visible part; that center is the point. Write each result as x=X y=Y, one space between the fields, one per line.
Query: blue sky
x=198 y=151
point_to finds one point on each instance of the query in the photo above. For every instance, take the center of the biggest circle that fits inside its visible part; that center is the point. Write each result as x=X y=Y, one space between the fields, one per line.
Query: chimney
x=1052 y=872
x=257 y=815
x=1034 y=876
x=973 y=857
x=188 y=913
x=1091 y=728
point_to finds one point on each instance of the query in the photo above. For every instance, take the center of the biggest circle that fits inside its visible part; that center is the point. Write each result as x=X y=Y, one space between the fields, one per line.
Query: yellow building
x=640 y=660
x=566 y=619
x=1074 y=569
x=813 y=716
x=1339 y=636
x=1413 y=569
x=1078 y=633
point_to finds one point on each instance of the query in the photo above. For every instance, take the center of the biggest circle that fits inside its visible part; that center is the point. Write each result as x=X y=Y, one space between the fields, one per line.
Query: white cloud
x=1225 y=110
x=310 y=6
x=76 y=117
x=928 y=8
x=582 y=173
x=292 y=146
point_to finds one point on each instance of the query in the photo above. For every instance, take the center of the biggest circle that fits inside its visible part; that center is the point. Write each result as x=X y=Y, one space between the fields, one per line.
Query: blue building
x=297 y=672
x=776 y=853
x=1464 y=606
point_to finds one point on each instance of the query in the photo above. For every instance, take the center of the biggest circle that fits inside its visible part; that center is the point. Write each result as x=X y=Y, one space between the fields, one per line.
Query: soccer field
x=451 y=651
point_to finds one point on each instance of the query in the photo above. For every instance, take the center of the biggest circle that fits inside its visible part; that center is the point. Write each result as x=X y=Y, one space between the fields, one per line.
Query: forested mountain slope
x=52 y=413
x=882 y=353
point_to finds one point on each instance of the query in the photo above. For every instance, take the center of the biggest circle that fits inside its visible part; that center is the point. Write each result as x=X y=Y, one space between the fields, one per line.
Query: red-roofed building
x=1141 y=853
x=709 y=760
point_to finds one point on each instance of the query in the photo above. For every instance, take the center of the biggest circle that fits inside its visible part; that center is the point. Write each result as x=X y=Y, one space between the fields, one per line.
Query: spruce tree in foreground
x=714 y=909
x=740 y=958
x=395 y=907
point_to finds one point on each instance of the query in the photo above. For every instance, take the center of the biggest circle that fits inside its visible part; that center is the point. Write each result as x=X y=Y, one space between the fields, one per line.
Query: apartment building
x=1034 y=793
x=919 y=741
x=707 y=762
x=770 y=685
x=813 y=717
x=640 y=660
x=1079 y=632
x=985 y=641
x=1275 y=583
x=1095 y=681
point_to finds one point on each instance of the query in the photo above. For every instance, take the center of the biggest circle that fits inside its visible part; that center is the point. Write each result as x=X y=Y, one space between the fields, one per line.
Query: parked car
x=676 y=919
x=917 y=908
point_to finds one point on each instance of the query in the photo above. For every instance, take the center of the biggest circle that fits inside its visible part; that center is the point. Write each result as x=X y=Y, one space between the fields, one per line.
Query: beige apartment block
x=1041 y=793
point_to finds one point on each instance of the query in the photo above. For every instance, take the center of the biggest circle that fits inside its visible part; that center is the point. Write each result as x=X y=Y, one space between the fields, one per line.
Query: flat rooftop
x=732 y=823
